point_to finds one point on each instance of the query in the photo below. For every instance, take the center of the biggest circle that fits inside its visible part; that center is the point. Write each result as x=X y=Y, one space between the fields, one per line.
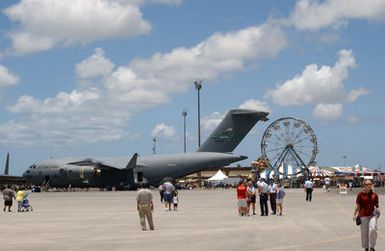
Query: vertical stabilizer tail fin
x=130 y=170
x=6 y=170
x=231 y=131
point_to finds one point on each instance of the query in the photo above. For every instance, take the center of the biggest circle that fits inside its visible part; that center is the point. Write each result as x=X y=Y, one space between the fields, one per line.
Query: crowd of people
x=247 y=193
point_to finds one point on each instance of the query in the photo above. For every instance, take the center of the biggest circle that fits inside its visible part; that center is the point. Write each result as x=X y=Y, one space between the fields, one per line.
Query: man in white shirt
x=273 y=196
x=327 y=183
x=263 y=190
x=308 y=189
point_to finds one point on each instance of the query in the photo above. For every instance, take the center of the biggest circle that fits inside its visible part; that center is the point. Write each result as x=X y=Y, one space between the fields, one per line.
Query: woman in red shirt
x=367 y=209
x=241 y=196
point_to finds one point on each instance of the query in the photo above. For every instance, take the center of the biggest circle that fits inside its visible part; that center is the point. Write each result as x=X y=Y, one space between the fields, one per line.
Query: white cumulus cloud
x=210 y=122
x=96 y=65
x=164 y=131
x=315 y=14
x=253 y=104
x=328 y=112
x=113 y=94
x=45 y=24
x=7 y=78
x=324 y=84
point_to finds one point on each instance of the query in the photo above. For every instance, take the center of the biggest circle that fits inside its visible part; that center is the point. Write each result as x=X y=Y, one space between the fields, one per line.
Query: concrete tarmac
x=205 y=220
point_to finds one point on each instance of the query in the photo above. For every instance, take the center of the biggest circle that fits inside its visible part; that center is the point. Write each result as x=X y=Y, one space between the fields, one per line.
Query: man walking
x=8 y=195
x=145 y=206
x=308 y=189
x=169 y=190
x=368 y=211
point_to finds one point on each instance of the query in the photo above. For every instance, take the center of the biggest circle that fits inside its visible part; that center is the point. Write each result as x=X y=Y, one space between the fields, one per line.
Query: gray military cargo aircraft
x=127 y=173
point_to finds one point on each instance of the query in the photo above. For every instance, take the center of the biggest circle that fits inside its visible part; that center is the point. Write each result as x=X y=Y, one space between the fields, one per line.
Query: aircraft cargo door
x=139 y=176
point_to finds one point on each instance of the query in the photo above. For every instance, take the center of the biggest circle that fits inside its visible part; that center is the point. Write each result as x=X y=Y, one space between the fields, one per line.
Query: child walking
x=175 y=200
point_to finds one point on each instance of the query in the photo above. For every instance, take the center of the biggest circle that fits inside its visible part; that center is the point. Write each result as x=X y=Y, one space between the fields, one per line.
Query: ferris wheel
x=290 y=146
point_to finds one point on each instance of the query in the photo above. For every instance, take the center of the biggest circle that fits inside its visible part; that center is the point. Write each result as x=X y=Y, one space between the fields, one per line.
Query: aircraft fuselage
x=149 y=169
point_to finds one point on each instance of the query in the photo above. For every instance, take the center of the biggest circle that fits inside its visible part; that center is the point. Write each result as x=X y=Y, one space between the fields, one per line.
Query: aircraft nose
x=26 y=175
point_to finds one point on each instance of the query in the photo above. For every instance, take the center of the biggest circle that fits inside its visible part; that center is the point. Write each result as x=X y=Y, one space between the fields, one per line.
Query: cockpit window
x=33 y=166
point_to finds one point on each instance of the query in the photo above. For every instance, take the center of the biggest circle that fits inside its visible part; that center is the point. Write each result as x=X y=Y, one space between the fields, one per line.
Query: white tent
x=219 y=176
x=319 y=172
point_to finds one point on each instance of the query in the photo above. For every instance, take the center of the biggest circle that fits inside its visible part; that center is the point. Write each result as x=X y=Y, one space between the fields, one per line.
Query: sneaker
x=372 y=249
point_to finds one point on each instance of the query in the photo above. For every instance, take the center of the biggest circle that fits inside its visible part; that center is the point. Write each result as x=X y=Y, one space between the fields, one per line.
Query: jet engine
x=82 y=172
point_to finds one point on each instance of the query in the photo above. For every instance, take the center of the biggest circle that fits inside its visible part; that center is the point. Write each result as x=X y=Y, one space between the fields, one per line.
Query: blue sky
x=102 y=77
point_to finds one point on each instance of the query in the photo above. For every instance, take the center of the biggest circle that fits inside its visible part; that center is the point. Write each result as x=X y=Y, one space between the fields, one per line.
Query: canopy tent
x=315 y=171
x=219 y=176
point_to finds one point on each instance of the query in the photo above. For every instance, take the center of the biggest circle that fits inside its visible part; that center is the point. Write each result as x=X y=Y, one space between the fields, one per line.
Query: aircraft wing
x=107 y=164
x=8 y=179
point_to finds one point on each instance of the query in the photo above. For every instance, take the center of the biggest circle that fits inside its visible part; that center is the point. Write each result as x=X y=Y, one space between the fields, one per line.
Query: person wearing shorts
x=242 y=198
x=8 y=195
x=280 y=196
x=251 y=195
x=169 y=190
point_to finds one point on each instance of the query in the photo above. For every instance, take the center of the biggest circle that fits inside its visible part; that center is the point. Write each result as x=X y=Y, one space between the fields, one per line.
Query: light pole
x=184 y=114
x=154 y=145
x=198 y=87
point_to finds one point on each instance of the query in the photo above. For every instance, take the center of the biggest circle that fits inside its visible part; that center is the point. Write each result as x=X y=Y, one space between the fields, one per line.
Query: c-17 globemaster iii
x=124 y=172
